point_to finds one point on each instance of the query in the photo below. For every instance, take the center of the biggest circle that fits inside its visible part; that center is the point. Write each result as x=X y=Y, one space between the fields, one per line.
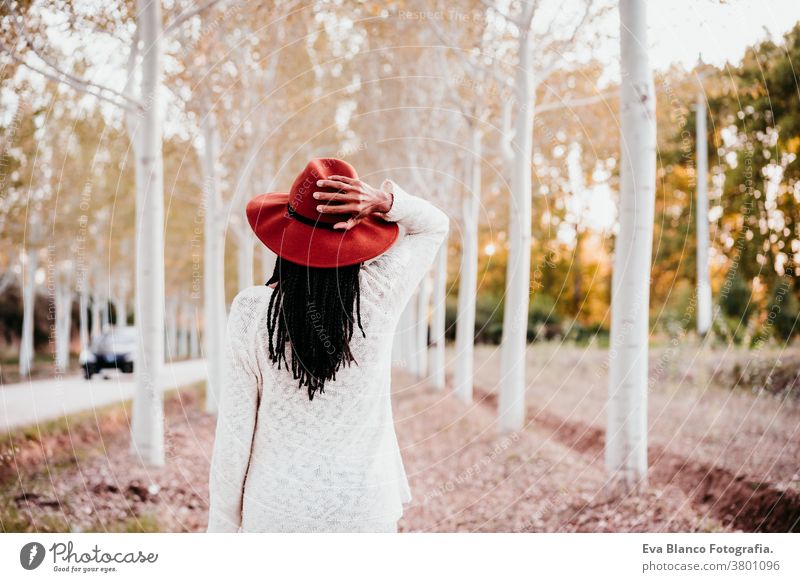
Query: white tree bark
x=215 y=317
x=83 y=320
x=406 y=355
x=26 y=347
x=511 y=405
x=97 y=319
x=147 y=430
x=63 y=327
x=171 y=348
x=421 y=327
x=437 y=371
x=243 y=234
x=184 y=320
x=268 y=259
x=397 y=345
x=104 y=315
x=194 y=340
x=121 y=311
x=121 y=293
x=626 y=427
x=703 y=276
x=245 y=253
x=468 y=280
x=407 y=337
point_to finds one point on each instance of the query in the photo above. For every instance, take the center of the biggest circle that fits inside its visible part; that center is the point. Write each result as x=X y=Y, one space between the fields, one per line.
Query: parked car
x=115 y=348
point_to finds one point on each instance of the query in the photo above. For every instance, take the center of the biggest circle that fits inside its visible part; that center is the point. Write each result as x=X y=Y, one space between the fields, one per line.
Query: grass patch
x=145 y=523
x=12 y=520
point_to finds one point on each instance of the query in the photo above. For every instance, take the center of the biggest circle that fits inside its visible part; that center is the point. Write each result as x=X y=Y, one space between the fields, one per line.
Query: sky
x=679 y=31
x=682 y=29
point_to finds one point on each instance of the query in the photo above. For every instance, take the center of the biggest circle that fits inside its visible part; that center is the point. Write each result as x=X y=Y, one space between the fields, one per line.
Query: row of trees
x=497 y=114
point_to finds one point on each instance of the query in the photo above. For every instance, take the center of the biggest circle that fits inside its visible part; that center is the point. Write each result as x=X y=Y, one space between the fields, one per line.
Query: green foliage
x=731 y=330
x=735 y=297
x=584 y=334
x=544 y=319
x=783 y=312
x=12 y=520
x=450 y=317
x=542 y=310
x=489 y=319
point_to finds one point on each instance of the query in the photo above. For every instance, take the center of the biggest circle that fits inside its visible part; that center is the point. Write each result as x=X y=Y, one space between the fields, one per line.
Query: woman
x=305 y=439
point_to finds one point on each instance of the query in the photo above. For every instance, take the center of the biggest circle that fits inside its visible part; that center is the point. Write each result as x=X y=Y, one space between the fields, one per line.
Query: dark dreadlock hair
x=312 y=309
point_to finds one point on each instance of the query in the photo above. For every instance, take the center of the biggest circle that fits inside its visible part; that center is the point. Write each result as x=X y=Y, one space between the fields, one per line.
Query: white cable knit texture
x=282 y=463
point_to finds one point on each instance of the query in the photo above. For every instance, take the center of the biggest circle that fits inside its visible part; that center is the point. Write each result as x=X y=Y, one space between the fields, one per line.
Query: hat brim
x=307 y=245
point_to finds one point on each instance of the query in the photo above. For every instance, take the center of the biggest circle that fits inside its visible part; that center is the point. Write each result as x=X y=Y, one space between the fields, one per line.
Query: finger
x=348 y=224
x=346 y=179
x=337 y=196
x=336 y=184
x=338 y=208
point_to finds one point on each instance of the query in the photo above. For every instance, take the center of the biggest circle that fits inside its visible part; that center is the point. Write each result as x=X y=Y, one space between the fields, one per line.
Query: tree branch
x=583 y=101
x=449 y=81
x=67 y=76
x=76 y=83
x=131 y=71
x=526 y=18
x=476 y=70
x=491 y=6
x=186 y=15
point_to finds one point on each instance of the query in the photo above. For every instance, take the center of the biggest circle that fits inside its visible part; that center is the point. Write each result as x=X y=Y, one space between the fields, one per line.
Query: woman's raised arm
x=425 y=227
x=399 y=270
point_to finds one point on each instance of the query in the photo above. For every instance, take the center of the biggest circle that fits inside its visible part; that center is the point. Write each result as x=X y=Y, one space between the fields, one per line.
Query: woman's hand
x=356 y=197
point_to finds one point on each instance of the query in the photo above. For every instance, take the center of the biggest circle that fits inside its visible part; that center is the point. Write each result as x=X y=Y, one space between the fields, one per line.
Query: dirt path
x=464 y=476
x=732 y=452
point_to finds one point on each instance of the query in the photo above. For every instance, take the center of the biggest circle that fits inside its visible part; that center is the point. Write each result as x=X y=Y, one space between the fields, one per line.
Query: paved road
x=29 y=403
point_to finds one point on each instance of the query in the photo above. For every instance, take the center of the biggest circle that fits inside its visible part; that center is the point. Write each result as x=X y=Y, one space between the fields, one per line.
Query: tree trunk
x=421 y=328
x=626 y=427
x=83 y=321
x=194 y=340
x=121 y=310
x=147 y=431
x=268 y=259
x=97 y=325
x=577 y=266
x=63 y=305
x=407 y=338
x=245 y=252
x=467 y=286
x=183 y=330
x=703 y=276
x=511 y=404
x=26 y=347
x=215 y=317
x=438 y=319
x=397 y=345
x=172 y=329
x=104 y=315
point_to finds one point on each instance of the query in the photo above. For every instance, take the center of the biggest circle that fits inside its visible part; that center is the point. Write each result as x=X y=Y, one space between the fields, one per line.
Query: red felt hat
x=290 y=225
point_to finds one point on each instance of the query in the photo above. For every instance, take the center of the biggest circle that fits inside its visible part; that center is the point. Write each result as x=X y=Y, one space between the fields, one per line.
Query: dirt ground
x=722 y=457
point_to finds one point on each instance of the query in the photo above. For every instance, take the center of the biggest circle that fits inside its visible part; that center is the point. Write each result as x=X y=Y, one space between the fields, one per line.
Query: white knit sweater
x=284 y=463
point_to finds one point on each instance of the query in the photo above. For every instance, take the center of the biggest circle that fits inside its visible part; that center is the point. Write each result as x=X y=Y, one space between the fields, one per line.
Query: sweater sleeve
x=236 y=423
x=400 y=269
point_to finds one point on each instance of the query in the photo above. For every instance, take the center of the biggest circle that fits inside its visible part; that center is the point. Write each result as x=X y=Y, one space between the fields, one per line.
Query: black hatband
x=309 y=221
